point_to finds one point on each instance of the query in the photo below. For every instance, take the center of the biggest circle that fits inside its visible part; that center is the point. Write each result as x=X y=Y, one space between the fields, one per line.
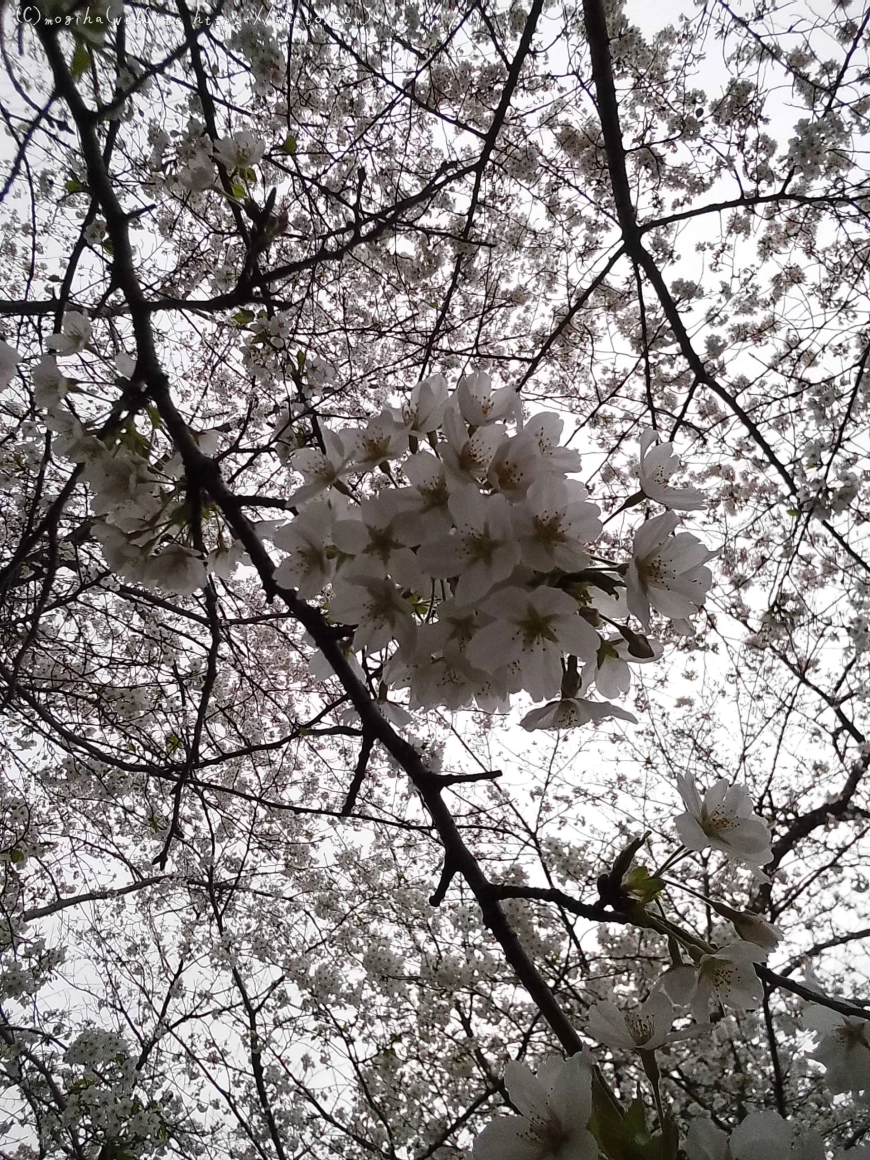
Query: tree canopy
x=434 y=594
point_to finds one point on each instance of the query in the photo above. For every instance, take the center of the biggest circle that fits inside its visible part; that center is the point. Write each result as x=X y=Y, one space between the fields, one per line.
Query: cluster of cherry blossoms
x=556 y=1118
x=469 y=554
x=461 y=552
x=141 y=506
x=556 y=1115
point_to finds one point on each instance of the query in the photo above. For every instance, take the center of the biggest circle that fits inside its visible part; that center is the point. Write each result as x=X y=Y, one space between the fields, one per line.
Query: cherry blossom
x=383 y=531
x=310 y=564
x=844 y=1049
x=9 y=360
x=554 y=1108
x=175 y=569
x=706 y=1142
x=726 y=976
x=376 y=606
x=479 y=405
x=244 y=853
x=768 y=1134
x=751 y=927
x=424 y=410
x=320 y=469
x=197 y=172
x=532 y=629
x=516 y=464
x=383 y=438
x=760 y=1136
x=240 y=151
x=658 y=462
x=646 y=1029
x=430 y=494
x=546 y=429
x=74 y=336
x=666 y=572
x=483 y=550
x=467 y=456
x=554 y=524
x=722 y=820
x=611 y=673
x=572 y=712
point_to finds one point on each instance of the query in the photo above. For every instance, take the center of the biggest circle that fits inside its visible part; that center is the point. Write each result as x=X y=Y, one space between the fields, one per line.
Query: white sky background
x=515 y=750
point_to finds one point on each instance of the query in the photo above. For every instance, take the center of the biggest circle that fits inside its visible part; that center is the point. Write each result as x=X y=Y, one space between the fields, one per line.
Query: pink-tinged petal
x=581 y=1145
x=506 y=1139
x=679 y=984
x=689 y=793
x=527 y=1093
x=750 y=839
x=606 y=1024
x=570 y=1087
x=648 y=437
x=577 y=637
x=706 y=1142
x=671 y=604
x=761 y=1134
x=350 y=536
x=684 y=552
x=468 y=509
x=635 y=597
x=613 y=678
x=599 y=711
x=716 y=794
x=511 y=603
x=542 y=672
x=423 y=469
x=683 y=499
x=553 y=602
x=653 y=533
x=736 y=801
x=691 y=834
x=480 y=577
x=494 y=646
x=442 y=557
x=546 y=717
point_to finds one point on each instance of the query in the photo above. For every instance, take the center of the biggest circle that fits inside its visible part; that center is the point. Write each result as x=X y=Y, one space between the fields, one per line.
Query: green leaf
x=289 y=146
x=624 y=1135
x=605 y=1124
x=642 y=885
x=173 y=741
x=130 y=437
x=81 y=60
x=634 y=1123
x=243 y=317
x=16 y=856
x=606 y=651
x=154 y=416
x=73 y=185
x=238 y=190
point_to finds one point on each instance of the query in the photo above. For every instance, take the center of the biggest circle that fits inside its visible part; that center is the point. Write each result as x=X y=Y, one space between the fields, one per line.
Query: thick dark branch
x=204 y=473
x=608 y=110
x=359 y=773
x=90 y=896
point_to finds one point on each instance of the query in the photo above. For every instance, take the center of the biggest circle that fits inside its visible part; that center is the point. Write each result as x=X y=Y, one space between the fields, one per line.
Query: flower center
x=536 y=627
x=548 y=530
